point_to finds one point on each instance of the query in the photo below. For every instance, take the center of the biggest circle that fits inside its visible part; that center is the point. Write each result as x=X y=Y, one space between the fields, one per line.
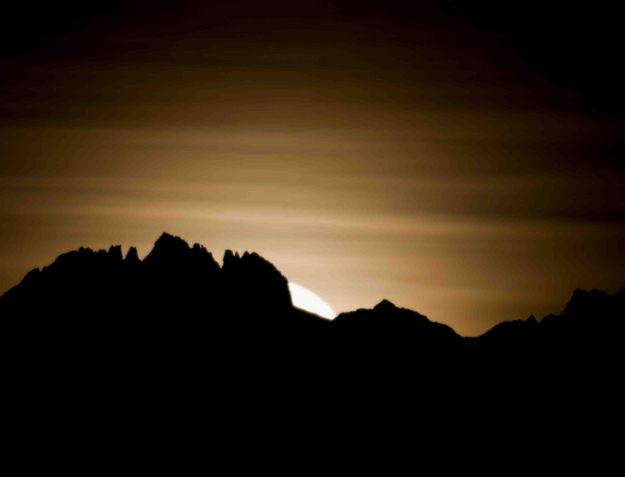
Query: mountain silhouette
x=180 y=295
x=404 y=331
x=95 y=311
x=117 y=340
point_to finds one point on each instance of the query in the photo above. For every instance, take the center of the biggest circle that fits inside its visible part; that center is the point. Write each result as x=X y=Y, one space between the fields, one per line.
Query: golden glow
x=367 y=155
x=307 y=300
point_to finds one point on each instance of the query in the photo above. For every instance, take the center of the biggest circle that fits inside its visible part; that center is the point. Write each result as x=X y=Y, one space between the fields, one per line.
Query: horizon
x=320 y=307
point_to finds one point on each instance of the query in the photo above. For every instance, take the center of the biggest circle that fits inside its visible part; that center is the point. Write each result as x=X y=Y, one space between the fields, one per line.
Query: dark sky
x=464 y=161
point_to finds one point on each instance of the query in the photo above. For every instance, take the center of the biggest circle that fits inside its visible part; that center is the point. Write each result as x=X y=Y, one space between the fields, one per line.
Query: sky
x=467 y=162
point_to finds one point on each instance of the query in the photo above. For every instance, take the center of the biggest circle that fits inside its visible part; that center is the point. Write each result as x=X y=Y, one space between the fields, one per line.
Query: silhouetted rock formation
x=398 y=329
x=172 y=280
x=99 y=340
x=253 y=284
x=179 y=302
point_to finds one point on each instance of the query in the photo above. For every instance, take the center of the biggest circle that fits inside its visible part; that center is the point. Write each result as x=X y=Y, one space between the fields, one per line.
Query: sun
x=307 y=300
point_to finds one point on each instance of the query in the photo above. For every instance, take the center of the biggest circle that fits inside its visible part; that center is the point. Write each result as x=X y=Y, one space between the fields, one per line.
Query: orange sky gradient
x=367 y=154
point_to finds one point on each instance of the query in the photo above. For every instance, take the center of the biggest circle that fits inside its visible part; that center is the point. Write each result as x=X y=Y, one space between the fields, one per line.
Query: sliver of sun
x=307 y=300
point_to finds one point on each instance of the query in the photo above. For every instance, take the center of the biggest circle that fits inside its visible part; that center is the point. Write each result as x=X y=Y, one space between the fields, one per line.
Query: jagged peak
x=247 y=260
x=172 y=249
x=583 y=298
x=167 y=239
x=246 y=256
x=229 y=257
x=167 y=246
x=132 y=256
x=71 y=256
x=199 y=247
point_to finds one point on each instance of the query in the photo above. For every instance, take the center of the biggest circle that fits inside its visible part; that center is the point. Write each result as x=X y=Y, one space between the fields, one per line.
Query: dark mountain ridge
x=178 y=301
x=176 y=345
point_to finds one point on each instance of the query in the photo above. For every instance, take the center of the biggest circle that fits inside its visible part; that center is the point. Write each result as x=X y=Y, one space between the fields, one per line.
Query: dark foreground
x=101 y=341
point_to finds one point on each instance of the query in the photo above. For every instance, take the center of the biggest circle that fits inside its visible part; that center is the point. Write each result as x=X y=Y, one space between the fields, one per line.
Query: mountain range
x=178 y=296
x=176 y=345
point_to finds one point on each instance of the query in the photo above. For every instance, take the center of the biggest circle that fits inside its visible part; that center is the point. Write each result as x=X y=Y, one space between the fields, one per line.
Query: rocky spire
x=132 y=257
